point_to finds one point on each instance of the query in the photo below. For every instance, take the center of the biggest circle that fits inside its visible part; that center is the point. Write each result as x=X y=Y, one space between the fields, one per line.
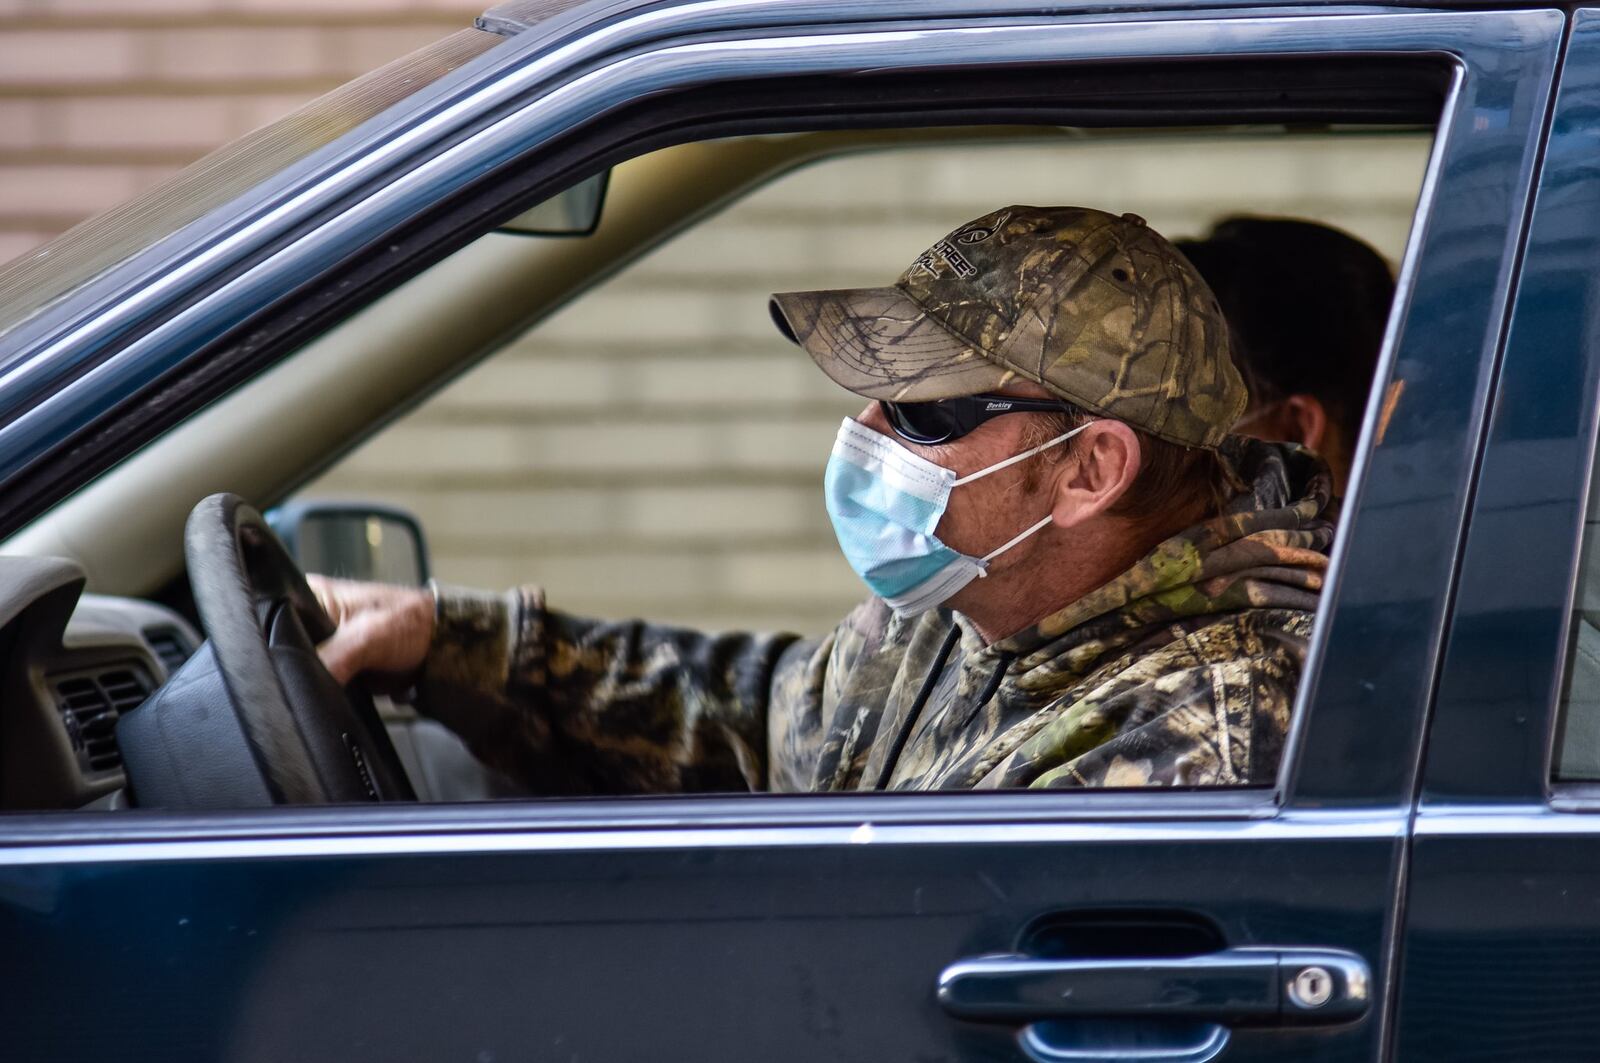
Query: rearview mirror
x=574 y=212
x=353 y=540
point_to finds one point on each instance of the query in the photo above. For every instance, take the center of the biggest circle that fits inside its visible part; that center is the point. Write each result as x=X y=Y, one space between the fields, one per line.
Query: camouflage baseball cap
x=1100 y=310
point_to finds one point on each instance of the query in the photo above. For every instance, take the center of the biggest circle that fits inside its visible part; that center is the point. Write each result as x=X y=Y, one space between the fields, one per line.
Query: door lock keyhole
x=1312 y=987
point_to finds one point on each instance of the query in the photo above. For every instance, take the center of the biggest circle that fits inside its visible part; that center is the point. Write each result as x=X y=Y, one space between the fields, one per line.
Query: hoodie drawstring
x=990 y=687
x=995 y=678
x=923 y=695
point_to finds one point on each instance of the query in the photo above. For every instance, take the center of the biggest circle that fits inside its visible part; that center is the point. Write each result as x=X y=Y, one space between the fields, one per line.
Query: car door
x=1053 y=926
x=1502 y=929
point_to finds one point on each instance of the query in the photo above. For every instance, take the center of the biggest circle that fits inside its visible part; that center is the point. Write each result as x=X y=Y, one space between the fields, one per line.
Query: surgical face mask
x=886 y=501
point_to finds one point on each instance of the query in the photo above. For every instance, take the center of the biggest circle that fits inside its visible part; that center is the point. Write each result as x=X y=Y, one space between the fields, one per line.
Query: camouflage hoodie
x=1180 y=671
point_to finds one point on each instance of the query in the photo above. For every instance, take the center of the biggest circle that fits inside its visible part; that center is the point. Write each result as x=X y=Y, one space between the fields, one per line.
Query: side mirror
x=574 y=212
x=353 y=540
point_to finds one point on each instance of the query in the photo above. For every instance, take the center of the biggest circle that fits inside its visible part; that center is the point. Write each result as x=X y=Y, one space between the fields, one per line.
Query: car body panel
x=1502 y=941
x=690 y=943
x=1411 y=481
x=789 y=928
x=1490 y=740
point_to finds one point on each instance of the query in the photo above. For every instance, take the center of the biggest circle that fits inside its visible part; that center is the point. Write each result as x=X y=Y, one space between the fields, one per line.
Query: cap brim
x=880 y=344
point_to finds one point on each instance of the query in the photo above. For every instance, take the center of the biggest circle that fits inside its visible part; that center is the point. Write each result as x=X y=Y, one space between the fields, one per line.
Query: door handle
x=1234 y=987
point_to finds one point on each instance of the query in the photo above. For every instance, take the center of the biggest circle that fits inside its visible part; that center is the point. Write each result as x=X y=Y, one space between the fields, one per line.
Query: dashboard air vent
x=171 y=647
x=90 y=702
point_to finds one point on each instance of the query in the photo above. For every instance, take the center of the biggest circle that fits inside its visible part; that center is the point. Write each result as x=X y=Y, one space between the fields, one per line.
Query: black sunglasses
x=928 y=423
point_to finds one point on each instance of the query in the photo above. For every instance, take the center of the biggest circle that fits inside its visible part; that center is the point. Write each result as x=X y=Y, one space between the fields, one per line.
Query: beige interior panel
x=274 y=432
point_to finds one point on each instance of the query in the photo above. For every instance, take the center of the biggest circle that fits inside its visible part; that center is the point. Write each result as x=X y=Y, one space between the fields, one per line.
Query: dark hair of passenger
x=1307 y=305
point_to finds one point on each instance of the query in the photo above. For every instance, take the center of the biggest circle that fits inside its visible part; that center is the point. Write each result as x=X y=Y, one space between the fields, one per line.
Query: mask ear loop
x=1024 y=456
x=983 y=562
x=997 y=551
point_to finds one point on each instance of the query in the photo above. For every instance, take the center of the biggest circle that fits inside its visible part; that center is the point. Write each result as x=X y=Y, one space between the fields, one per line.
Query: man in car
x=1079 y=578
x=1307 y=305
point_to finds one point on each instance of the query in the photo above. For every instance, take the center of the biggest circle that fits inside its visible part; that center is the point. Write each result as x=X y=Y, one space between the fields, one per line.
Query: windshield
x=40 y=277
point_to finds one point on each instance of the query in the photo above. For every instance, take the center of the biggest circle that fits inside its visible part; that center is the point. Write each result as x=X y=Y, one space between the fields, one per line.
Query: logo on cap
x=944 y=253
x=976 y=232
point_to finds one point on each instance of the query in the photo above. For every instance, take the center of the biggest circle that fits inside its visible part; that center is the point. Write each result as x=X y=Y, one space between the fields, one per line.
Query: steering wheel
x=253 y=717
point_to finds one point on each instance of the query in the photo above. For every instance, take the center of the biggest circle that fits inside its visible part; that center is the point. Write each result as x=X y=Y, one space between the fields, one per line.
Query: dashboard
x=73 y=663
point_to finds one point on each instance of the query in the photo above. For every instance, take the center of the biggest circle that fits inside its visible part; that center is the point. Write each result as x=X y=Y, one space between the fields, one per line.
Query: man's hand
x=382 y=628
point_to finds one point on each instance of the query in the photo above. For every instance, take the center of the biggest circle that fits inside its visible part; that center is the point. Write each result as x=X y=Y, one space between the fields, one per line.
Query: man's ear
x=1308 y=419
x=1104 y=463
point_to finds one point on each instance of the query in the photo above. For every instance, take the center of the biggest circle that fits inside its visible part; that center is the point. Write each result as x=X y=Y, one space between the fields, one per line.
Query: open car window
x=655 y=449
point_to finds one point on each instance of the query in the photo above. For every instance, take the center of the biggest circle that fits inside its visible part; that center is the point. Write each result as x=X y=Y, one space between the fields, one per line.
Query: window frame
x=1496 y=100
x=1500 y=711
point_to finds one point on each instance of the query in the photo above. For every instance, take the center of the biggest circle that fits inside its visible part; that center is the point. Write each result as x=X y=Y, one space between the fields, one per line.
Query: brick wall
x=654 y=449
x=100 y=99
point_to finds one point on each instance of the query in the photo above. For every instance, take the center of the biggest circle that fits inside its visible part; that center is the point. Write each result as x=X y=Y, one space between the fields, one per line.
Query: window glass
x=1577 y=757
x=46 y=274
